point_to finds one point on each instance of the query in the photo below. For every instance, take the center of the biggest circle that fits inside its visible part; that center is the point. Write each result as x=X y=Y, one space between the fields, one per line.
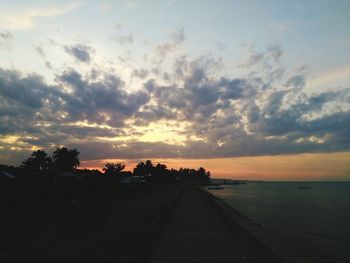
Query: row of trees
x=160 y=172
x=62 y=160
x=65 y=160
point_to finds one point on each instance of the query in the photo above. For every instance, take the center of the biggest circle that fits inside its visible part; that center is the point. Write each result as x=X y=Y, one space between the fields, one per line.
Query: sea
x=314 y=222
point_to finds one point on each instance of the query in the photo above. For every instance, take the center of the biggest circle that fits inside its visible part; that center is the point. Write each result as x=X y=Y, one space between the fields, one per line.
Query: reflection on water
x=315 y=221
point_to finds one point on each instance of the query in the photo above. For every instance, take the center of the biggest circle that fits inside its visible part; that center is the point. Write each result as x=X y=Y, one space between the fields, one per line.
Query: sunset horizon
x=292 y=167
x=164 y=82
x=149 y=131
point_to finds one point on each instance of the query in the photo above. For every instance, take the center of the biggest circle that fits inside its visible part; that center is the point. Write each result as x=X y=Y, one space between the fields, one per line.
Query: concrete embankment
x=259 y=240
x=198 y=231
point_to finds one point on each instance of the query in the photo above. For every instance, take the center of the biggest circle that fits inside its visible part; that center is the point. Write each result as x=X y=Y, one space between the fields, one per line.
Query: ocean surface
x=314 y=222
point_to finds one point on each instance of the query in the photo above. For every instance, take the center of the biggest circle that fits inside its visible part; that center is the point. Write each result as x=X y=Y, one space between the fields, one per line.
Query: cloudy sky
x=248 y=89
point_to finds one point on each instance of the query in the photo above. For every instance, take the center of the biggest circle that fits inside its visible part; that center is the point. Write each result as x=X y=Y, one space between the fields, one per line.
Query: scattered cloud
x=124 y=39
x=264 y=112
x=41 y=53
x=271 y=56
x=141 y=73
x=80 y=52
x=6 y=38
x=177 y=38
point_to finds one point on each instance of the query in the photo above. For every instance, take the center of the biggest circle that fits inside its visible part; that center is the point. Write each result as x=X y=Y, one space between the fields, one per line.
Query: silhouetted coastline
x=51 y=207
x=48 y=198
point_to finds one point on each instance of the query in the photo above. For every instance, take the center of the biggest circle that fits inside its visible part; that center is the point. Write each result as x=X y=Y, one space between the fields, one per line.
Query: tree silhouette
x=161 y=174
x=113 y=168
x=144 y=169
x=202 y=175
x=160 y=170
x=65 y=160
x=37 y=161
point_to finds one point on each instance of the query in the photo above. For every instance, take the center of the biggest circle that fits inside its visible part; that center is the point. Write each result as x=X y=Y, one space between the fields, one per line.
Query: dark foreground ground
x=138 y=224
x=196 y=233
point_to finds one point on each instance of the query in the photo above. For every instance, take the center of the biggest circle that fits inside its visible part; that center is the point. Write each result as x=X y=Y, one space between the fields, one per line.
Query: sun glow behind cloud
x=168 y=132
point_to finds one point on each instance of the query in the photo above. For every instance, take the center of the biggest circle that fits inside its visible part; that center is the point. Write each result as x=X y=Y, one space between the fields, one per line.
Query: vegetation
x=67 y=160
x=42 y=178
x=113 y=168
x=38 y=161
x=160 y=173
x=62 y=160
x=50 y=189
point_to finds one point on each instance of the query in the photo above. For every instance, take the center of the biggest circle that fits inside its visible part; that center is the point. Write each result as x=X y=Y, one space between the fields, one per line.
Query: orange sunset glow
x=150 y=131
x=298 y=167
x=242 y=101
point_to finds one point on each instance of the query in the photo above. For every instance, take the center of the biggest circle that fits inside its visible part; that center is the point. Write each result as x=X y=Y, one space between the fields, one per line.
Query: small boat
x=304 y=187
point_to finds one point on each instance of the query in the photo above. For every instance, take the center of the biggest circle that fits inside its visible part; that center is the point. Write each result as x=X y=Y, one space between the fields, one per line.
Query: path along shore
x=199 y=232
x=155 y=224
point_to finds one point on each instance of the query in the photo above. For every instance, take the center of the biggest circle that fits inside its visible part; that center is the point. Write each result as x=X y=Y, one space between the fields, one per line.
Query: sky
x=247 y=89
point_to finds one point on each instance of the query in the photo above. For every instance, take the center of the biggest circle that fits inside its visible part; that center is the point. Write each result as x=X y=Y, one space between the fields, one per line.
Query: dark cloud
x=80 y=52
x=126 y=150
x=266 y=111
x=89 y=98
x=297 y=81
x=232 y=89
x=155 y=113
x=28 y=106
x=198 y=97
x=28 y=91
x=253 y=115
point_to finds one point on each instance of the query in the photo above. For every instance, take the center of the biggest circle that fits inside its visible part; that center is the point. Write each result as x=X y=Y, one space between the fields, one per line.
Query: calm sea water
x=314 y=222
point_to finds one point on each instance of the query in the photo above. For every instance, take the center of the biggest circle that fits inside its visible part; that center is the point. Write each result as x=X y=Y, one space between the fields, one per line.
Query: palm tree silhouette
x=65 y=160
x=37 y=161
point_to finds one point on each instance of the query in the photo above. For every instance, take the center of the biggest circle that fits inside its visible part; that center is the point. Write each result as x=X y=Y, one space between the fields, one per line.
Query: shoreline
x=168 y=215
x=260 y=240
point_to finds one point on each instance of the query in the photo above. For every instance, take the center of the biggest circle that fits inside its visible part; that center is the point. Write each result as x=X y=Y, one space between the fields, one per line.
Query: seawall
x=261 y=242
